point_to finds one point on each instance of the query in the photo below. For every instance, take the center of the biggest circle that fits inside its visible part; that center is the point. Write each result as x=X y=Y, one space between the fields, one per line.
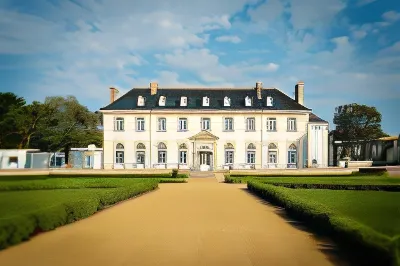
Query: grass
x=30 y=205
x=365 y=220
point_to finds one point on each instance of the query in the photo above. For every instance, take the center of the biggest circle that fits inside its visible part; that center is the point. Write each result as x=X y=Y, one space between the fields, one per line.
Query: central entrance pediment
x=204 y=135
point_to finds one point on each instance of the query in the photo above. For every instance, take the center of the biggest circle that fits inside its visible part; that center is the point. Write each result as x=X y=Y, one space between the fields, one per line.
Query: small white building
x=23 y=158
x=86 y=158
x=213 y=128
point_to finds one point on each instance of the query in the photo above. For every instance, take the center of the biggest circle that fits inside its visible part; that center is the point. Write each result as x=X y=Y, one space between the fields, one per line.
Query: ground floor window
x=183 y=157
x=140 y=155
x=119 y=157
x=162 y=157
x=272 y=157
x=229 y=157
x=251 y=157
x=292 y=157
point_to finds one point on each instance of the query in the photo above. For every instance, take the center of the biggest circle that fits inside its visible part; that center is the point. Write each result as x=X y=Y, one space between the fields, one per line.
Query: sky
x=344 y=51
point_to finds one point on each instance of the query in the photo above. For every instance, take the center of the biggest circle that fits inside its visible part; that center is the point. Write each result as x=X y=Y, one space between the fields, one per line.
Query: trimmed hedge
x=19 y=228
x=338 y=186
x=320 y=217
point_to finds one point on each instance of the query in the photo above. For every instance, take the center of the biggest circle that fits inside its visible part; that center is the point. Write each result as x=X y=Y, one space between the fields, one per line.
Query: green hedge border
x=340 y=228
x=392 y=188
x=19 y=228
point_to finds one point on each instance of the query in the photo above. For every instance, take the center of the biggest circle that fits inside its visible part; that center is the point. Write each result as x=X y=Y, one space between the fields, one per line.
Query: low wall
x=74 y=172
x=356 y=164
x=296 y=172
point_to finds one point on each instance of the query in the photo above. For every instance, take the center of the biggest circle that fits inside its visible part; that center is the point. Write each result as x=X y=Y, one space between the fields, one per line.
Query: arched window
x=183 y=154
x=272 y=146
x=183 y=146
x=272 y=155
x=292 y=156
x=141 y=146
x=119 y=153
x=251 y=154
x=162 y=152
x=229 y=153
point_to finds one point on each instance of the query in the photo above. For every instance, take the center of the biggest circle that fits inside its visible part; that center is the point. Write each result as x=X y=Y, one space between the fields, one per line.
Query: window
x=119 y=154
x=140 y=153
x=182 y=157
x=247 y=101
x=183 y=101
x=141 y=101
x=272 y=155
x=229 y=153
x=162 y=153
x=13 y=162
x=119 y=124
x=206 y=101
x=139 y=124
x=228 y=124
x=292 y=156
x=251 y=124
x=270 y=101
x=205 y=124
x=162 y=100
x=182 y=124
x=271 y=124
x=291 y=124
x=162 y=124
x=251 y=153
x=140 y=146
x=227 y=101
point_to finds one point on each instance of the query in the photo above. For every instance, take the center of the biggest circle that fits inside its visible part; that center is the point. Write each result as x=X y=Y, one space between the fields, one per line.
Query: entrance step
x=201 y=174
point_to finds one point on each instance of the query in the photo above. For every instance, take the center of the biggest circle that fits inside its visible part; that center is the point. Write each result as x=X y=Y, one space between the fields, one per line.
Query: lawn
x=31 y=205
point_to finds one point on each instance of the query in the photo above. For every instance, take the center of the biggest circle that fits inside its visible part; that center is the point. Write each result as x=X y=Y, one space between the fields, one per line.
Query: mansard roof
x=195 y=99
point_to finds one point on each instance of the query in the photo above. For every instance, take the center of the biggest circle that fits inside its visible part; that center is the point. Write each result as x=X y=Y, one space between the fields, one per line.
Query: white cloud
x=364 y=2
x=391 y=16
x=227 y=38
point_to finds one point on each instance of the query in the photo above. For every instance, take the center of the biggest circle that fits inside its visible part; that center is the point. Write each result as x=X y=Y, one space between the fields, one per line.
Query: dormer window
x=183 y=101
x=140 y=101
x=227 y=101
x=206 y=101
x=270 y=101
x=247 y=101
x=162 y=100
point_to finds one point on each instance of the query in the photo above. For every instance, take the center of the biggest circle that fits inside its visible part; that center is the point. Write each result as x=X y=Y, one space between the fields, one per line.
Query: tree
x=8 y=103
x=354 y=124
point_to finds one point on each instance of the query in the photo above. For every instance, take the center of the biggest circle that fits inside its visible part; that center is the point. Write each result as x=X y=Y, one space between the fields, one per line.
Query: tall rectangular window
x=272 y=157
x=119 y=157
x=182 y=124
x=139 y=124
x=229 y=157
x=205 y=124
x=119 y=124
x=162 y=124
x=162 y=156
x=182 y=157
x=271 y=124
x=291 y=124
x=251 y=124
x=228 y=124
x=251 y=157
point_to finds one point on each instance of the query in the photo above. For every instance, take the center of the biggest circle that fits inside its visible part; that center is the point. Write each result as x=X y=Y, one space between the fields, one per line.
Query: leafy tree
x=354 y=124
x=8 y=102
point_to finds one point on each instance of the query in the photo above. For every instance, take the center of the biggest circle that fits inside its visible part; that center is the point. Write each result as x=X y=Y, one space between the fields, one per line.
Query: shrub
x=174 y=173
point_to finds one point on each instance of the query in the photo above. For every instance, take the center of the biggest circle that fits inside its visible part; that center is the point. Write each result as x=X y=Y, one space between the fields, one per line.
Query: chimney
x=153 y=88
x=299 y=92
x=259 y=89
x=113 y=94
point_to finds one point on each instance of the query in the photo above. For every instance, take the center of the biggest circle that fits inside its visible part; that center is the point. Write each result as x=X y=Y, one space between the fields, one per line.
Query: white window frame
x=229 y=159
x=183 y=157
x=227 y=101
x=140 y=124
x=183 y=101
x=162 y=126
x=182 y=124
x=270 y=101
x=162 y=156
x=251 y=157
x=232 y=123
x=119 y=124
x=292 y=124
x=140 y=152
x=204 y=122
x=272 y=152
x=206 y=101
x=290 y=152
x=251 y=124
x=248 y=101
x=271 y=124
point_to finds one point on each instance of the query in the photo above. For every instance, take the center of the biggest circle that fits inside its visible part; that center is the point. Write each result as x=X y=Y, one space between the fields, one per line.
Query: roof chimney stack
x=259 y=89
x=113 y=94
x=153 y=88
x=299 y=92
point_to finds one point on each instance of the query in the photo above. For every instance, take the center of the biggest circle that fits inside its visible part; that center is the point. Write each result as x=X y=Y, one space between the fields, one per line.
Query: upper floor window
x=205 y=124
x=251 y=124
x=206 y=101
x=247 y=101
x=183 y=101
x=162 y=124
x=271 y=124
x=162 y=100
x=228 y=125
x=140 y=124
x=227 y=101
x=119 y=124
x=291 y=124
x=270 y=101
x=182 y=124
x=141 y=101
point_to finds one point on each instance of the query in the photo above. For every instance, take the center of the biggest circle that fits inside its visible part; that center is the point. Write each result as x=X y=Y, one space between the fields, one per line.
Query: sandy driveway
x=202 y=222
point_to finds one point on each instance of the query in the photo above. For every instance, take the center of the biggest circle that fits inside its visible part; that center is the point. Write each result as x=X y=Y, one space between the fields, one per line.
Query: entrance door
x=205 y=161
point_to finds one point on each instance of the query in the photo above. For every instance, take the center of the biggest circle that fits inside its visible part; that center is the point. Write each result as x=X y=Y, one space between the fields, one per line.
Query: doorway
x=205 y=160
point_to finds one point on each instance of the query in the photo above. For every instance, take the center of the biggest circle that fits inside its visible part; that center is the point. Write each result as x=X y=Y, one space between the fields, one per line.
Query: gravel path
x=202 y=222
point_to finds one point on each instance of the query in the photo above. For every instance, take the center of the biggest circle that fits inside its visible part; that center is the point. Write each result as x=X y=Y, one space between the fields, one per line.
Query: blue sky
x=344 y=51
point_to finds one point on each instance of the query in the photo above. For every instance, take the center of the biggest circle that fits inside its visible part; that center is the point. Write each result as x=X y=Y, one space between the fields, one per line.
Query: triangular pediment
x=204 y=135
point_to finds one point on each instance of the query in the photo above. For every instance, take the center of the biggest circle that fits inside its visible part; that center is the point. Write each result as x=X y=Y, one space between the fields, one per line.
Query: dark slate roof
x=195 y=98
x=316 y=119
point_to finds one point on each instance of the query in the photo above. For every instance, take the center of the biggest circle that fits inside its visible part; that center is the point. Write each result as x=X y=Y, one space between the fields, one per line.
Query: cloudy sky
x=345 y=51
